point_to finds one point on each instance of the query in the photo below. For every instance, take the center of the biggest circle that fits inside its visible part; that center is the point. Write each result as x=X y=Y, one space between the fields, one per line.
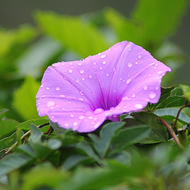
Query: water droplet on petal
x=71 y=63
x=139 y=56
x=90 y=117
x=57 y=88
x=66 y=124
x=129 y=64
x=81 y=71
x=102 y=56
x=96 y=125
x=79 y=63
x=152 y=95
x=145 y=87
x=50 y=103
x=77 y=80
x=72 y=115
x=104 y=62
x=94 y=63
x=75 y=123
x=98 y=111
x=62 y=96
x=70 y=70
x=47 y=88
x=81 y=117
x=90 y=76
x=100 y=68
x=133 y=95
x=128 y=81
x=139 y=106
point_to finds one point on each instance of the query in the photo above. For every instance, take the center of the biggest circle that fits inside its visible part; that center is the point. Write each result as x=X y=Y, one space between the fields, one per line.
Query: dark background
x=16 y=12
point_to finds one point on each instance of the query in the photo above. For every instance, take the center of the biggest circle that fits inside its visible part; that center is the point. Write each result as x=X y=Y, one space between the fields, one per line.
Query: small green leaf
x=12 y=162
x=2 y=113
x=169 y=114
x=107 y=132
x=158 y=131
x=186 y=91
x=73 y=161
x=24 y=100
x=129 y=136
x=36 y=134
x=170 y=97
x=54 y=144
x=7 y=126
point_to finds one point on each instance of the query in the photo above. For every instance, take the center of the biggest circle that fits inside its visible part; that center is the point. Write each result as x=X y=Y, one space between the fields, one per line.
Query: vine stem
x=173 y=126
x=172 y=133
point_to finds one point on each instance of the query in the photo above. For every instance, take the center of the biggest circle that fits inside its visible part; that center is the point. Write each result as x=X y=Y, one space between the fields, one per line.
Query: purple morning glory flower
x=81 y=95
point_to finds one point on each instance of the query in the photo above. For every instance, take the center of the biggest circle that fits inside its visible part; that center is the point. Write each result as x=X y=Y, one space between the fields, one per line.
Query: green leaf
x=73 y=161
x=43 y=50
x=36 y=134
x=7 y=126
x=158 y=19
x=126 y=29
x=107 y=132
x=158 y=131
x=2 y=113
x=169 y=114
x=186 y=91
x=129 y=136
x=12 y=162
x=43 y=176
x=72 y=32
x=7 y=142
x=170 y=97
x=54 y=144
x=24 y=100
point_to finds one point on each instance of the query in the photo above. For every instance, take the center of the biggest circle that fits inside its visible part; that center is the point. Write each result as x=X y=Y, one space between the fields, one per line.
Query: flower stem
x=172 y=133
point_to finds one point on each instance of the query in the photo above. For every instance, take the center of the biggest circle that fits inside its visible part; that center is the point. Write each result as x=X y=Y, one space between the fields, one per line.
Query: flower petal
x=82 y=94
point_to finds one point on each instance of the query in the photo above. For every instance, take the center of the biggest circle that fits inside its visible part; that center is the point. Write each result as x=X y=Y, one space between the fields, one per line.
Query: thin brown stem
x=173 y=126
x=172 y=133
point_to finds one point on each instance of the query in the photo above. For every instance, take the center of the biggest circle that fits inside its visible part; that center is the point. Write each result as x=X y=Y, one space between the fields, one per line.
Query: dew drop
x=71 y=63
x=136 y=62
x=90 y=117
x=81 y=71
x=145 y=87
x=62 y=96
x=139 y=56
x=75 y=123
x=152 y=95
x=128 y=81
x=94 y=63
x=98 y=111
x=100 y=68
x=47 y=88
x=70 y=70
x=83 y=79
x=133 y=95
x=77 y=80
x=42 y=86
x=97 y=125
x=50 y=103
x=107 y=74
x=129 y=64
x=87 y=113
x=102 y=56
x=57 y=88
x=81 y=117
x=66 y=124
x=139 y=106
x=90 y=76
x=104 y=62
x=72 y=115
x=79 y=63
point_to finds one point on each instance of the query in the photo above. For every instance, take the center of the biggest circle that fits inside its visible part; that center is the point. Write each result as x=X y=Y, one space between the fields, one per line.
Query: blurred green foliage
x=137 y=153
